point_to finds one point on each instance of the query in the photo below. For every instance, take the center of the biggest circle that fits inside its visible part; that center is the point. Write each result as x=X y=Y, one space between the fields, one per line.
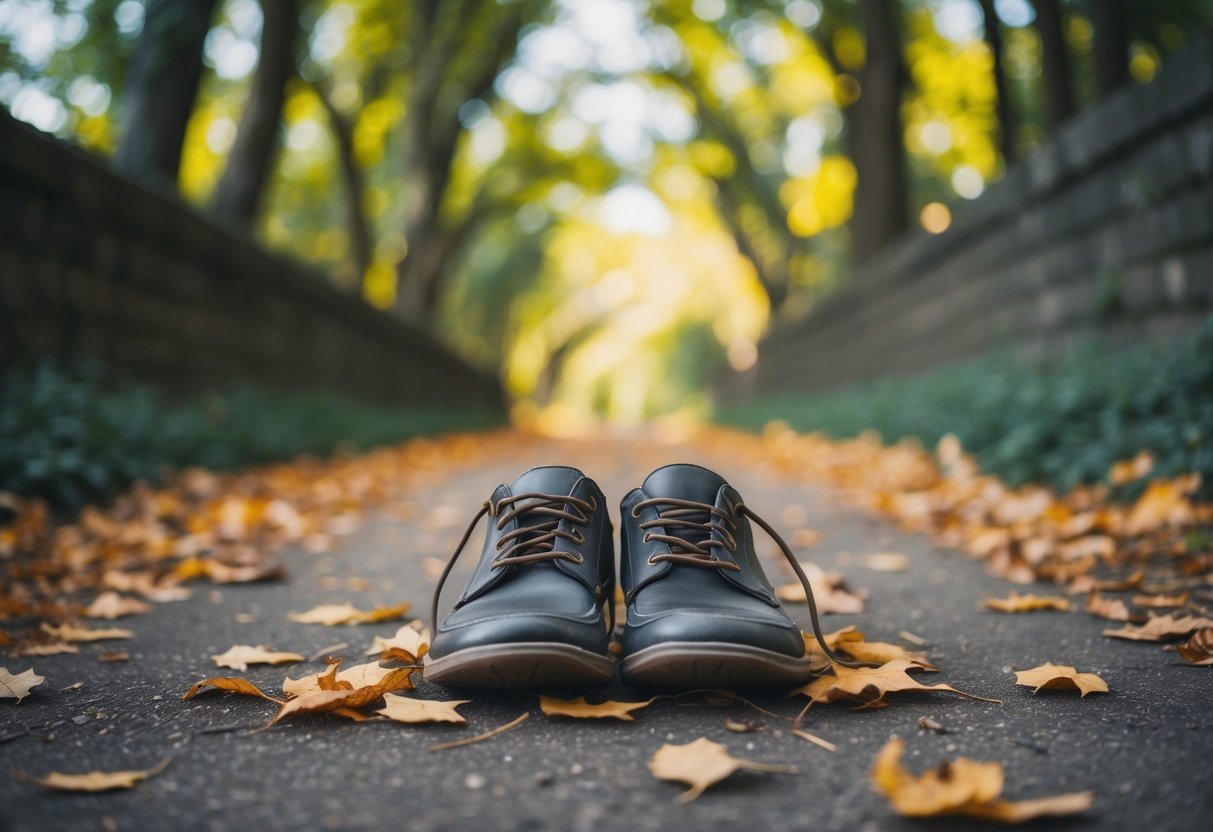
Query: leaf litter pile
x=1147 y=565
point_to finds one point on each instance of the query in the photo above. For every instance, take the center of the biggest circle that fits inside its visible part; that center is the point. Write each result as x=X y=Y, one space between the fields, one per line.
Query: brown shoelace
x=700 y=552
x=531 y=542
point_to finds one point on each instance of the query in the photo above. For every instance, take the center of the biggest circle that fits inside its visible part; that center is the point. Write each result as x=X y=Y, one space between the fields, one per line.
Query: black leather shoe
x=531 y=614
x=700 y=611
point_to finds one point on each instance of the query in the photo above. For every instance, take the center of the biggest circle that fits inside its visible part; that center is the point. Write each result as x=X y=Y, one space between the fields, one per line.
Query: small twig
x=500 y=729
x=910 y=637
x=816 y=740
x=800 y=716
x=13 y=735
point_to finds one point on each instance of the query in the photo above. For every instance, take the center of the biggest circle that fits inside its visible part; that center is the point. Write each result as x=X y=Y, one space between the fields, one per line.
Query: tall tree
x=1111 y=44
x=353 y=186
x=1006 y=112
x=1055 y=63
x=237 y=196
x=161 y=87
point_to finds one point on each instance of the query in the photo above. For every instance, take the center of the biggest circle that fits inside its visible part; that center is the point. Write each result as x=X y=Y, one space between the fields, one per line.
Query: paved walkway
x=1144 y=748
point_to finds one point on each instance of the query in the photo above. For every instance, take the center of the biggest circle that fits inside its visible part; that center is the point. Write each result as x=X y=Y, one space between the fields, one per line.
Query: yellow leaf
x=53 y=648
x=359 y=676
x=67 y=632
x=964 y=787
x=240 y=656
x=18 y=686
x=1026 y=603
x=1113 y=609
x=1054 y=676
x=407 y=709
x=868 y=684
x=580 y=709
x=98 y=781
x=829 y=591
x=1162 y=628
x=1198 y=649
x=111 y=605
x=410 y=643
x=230 y=684
x=332 y=615
x=886 y=562
x=1160 y=601
x=701 y=764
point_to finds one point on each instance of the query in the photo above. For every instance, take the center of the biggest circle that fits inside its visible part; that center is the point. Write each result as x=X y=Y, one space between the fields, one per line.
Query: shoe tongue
x=549 y=479
x=685 y=482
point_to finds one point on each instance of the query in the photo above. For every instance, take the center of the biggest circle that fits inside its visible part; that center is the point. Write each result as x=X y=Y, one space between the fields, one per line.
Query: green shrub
x=70 y=435
x=1061 y=421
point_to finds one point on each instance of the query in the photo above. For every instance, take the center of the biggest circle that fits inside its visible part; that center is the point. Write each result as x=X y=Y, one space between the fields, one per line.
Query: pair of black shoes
x=700 y=611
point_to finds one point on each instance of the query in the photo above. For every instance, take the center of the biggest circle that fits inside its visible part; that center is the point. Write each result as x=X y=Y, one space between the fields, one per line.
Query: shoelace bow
x=530 y=542
x=700 y=552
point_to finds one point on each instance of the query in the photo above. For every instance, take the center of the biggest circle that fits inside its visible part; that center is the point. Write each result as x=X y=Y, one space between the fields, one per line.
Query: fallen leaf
x=580 y=709
x=829 y=592
x=319 y=701
x=98 y=781
x=18 y=686
x=1162 y=628
x=359 y=676
x=868 y=684
x=67 y=632
x=332 y=615
x=1131 y=469
x=743 y=726
x=850 y=642
x=964 y=787
x=1198 y=649
x=407 y=709
x=886 y=562
x=1051 y=676
x=1159 y=601
x=113 y=656
x=1026 y=603
x=240 y=656
x=701 y=764
x=410 y=643
x=1113 y=609
x=53 y=648
x=231 y=684
x=222 y=573
x=111 y=605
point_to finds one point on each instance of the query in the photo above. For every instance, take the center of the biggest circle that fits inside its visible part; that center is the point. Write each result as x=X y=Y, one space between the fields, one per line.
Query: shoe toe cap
x=707 y=626
x=516 y=629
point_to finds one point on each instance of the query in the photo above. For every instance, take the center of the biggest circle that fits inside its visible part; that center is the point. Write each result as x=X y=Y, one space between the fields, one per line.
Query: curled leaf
x=111 y=605
x=231 y=684
x=1198 y=649
x=1026 y=603
x=1162 y=628
x=870 y=684
x=1051 y=676
x=67 y=632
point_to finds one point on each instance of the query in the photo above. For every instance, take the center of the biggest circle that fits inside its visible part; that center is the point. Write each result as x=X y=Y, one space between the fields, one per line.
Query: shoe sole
x=522 y=665
x=712 y=664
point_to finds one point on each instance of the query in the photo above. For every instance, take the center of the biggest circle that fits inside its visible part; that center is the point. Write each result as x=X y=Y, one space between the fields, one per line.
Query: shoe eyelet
x=648 y=538
x=650 y=560
x=634 y=512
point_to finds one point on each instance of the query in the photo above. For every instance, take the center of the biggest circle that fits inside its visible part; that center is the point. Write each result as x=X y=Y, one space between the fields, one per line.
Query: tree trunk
x=238 y=195
x=1111 y=45
x=163 y=82
x=875 y=127
x=1055 y=63
x=1006 y=114
x=352 y=185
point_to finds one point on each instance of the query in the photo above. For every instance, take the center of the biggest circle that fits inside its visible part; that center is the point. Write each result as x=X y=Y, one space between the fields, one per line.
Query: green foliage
x=69 y=436
x=1062 y=422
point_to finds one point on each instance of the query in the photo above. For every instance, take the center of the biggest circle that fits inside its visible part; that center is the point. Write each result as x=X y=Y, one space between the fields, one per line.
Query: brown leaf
x=1026 y=603
x=580 y=709
x=53 y=648
x=18 y=686
x=1113 y=609
x=410 y=643
x=240 y=656
x=867 y=684
x=964 y=787
x=743 y=726
x=1060 y=677
x=829 y=591
x=111 y=605
x=886 y=562
x=1159 y=601
x=398 y=678
x=231 y=684
x=332 y=615
x=98 y=781
x=407 y=709
x=113 y=656
x=67 y=632
x=371 y=674
x=701 y=764
x=1162 y=628
x=850 y=642
x=1198 y=649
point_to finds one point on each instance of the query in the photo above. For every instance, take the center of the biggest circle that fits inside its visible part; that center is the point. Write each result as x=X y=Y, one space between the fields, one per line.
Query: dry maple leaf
x=851 y=643
x=111 y=605
x=230 y=684
x=98 y=781
x=1198 y=649
x=18 y=686
x=964 y=787
x=240 y=656
x=1162 y=628
x=886 y=562
x=1026 y=603
x=53 y=648
x=829 y=591
x=407 y=709
x=332 y=615
x=1051 y=676
x=67 y=632
x=701 y=764
x=1113 y=609
x=871 y=684
x=580 y=709
x=410 y=643
x=1160 y=601
x=358 y=676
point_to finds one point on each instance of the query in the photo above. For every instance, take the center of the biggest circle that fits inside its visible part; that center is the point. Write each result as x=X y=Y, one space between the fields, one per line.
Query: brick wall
x=1106 y=231
x=92 y=263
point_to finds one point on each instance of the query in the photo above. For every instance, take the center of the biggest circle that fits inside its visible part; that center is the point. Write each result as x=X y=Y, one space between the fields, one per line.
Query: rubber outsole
x=522 y=665
x=712 y=664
